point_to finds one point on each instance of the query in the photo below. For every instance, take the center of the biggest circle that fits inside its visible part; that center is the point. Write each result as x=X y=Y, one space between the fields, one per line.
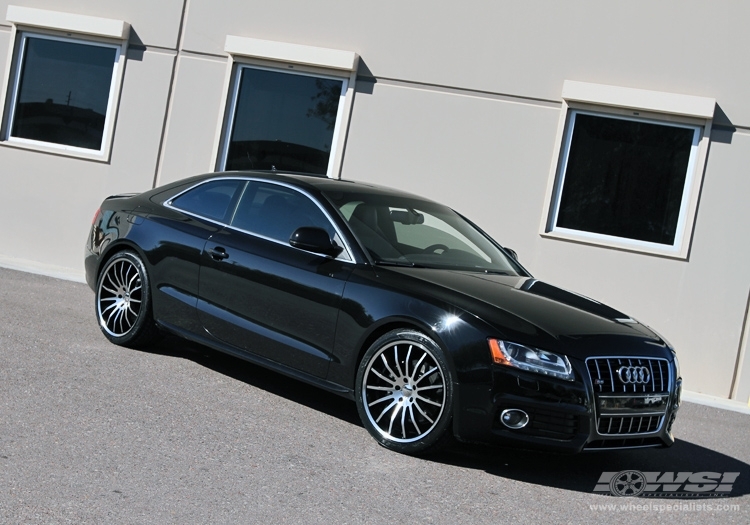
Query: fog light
x=514 y=418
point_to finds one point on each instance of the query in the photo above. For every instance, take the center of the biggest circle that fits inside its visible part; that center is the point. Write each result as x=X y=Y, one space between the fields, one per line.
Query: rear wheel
x=404 y=392
x=123 y=301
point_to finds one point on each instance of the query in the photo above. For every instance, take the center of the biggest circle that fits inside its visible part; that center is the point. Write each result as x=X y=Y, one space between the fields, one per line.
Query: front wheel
x=404 y=392
x=123 y=301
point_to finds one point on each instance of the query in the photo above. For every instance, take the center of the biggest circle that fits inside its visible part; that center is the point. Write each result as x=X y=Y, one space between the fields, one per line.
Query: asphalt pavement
x=94 y=433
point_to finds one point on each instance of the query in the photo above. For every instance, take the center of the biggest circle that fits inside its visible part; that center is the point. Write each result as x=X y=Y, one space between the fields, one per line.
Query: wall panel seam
x=476 y=93
x=734 y=387
x=170 y=95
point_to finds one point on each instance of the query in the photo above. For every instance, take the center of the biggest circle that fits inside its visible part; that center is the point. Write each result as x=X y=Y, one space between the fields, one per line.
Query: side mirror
x=511 y=252
x=315 y=240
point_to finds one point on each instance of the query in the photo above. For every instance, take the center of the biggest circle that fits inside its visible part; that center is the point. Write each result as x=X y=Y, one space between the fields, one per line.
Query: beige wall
x=155 y=23
x=50 y=199
x=516 y=48
x=490 y=158
x=465 y=110
x=194 y=117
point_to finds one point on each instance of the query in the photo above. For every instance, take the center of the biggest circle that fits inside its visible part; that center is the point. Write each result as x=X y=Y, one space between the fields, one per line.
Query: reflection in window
x=211 y=199
x=62 y=91
x=408 y=231
x=625 y=177
x=274 y=212
x=283 y=121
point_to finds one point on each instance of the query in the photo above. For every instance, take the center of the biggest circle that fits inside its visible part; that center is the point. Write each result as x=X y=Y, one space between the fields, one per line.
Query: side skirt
x=215 y=344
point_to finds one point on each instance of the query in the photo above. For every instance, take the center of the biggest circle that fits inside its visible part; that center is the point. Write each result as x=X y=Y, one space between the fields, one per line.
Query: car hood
x=527 y=309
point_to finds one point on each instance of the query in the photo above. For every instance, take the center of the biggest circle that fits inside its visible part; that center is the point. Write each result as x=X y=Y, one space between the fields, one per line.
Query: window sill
x=63 y=151
x=618 y=243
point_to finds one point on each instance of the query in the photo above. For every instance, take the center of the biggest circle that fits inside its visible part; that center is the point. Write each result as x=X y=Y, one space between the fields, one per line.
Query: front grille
x=603 y=372
x=629 y=425
x=631 y=394
x=553 y=424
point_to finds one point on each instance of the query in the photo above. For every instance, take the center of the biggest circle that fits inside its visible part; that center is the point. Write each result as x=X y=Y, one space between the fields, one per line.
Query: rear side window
x=212 y=200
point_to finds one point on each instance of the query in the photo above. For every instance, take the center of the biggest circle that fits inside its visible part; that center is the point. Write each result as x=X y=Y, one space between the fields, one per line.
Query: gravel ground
x=94 y=433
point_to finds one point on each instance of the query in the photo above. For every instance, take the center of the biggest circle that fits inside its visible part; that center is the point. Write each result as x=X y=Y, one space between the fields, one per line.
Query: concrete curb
x=58 y=272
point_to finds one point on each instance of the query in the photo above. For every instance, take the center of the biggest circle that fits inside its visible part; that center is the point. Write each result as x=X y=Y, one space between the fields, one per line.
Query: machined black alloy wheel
x=404 y=392
x=123 y=305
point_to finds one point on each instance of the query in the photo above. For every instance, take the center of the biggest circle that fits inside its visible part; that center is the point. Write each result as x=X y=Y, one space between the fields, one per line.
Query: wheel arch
x=402 y=323
x=118 y=246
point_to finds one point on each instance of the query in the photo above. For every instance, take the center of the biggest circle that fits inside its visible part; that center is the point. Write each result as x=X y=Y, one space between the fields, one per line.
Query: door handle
x=218 y=253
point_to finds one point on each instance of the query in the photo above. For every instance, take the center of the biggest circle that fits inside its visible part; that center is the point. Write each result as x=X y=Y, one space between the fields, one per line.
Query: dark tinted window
x=625 y=178
x=283 y=121
x=276 y=211
x=63 y=92
x=211 y=199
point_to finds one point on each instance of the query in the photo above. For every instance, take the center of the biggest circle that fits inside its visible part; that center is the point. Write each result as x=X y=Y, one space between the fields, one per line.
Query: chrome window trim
x=347 y=249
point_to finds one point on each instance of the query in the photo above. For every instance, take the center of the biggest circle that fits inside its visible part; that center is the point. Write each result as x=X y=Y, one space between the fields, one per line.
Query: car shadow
x=579 y=472
x=259 y=377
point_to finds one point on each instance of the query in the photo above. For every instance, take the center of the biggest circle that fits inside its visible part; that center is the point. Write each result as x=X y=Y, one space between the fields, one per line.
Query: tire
x=123 y=302
x=404 y=393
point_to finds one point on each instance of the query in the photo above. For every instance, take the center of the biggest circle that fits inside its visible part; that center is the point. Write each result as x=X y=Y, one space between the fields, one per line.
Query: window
x=287 y=107
x=62 y=91
x=210 y=200
x=628 y=178
x=60 y=88
x=625 y=177
x=283 y=121
x=274 y=212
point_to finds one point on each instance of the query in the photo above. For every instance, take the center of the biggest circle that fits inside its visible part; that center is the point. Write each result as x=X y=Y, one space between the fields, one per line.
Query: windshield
x=398 y=230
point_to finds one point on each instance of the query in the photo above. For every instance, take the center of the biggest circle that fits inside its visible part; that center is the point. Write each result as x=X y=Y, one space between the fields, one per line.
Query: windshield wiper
x=403 y=264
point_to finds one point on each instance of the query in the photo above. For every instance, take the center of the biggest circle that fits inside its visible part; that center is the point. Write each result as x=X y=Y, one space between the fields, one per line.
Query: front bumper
x=570 y=416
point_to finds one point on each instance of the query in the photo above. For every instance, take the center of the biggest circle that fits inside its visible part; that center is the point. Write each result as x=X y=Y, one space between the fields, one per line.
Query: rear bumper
x=91 y=262
x=564 y=416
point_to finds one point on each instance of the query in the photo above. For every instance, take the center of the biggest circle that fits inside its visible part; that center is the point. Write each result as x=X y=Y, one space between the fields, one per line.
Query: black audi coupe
x=397 y=302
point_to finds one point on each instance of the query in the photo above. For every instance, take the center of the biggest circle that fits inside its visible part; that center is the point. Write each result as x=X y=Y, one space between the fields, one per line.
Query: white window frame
x=64 y=27
x=685 y=111
x=293 y=59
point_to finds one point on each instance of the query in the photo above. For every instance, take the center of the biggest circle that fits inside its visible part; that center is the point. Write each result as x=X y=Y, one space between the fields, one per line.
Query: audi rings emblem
x=634 y=375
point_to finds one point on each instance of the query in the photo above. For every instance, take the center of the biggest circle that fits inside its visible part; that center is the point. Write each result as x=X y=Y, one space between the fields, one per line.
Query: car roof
x=305 y=181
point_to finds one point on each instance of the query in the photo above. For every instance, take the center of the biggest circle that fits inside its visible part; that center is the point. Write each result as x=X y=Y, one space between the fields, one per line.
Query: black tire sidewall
x=443 y=427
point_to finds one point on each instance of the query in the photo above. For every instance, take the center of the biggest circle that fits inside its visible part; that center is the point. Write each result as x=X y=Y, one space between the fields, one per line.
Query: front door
x=265 y=297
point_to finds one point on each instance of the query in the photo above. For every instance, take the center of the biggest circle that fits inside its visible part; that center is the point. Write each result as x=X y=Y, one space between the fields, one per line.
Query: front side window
x=275 y=211
x=282 y=121
x=626 y=179
x=62 y=92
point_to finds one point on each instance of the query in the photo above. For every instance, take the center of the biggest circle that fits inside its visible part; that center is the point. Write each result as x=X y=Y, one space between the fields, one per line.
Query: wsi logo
x=667 y=484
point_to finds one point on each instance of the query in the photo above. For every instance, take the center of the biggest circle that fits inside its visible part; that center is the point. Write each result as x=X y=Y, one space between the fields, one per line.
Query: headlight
x=531 y=359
